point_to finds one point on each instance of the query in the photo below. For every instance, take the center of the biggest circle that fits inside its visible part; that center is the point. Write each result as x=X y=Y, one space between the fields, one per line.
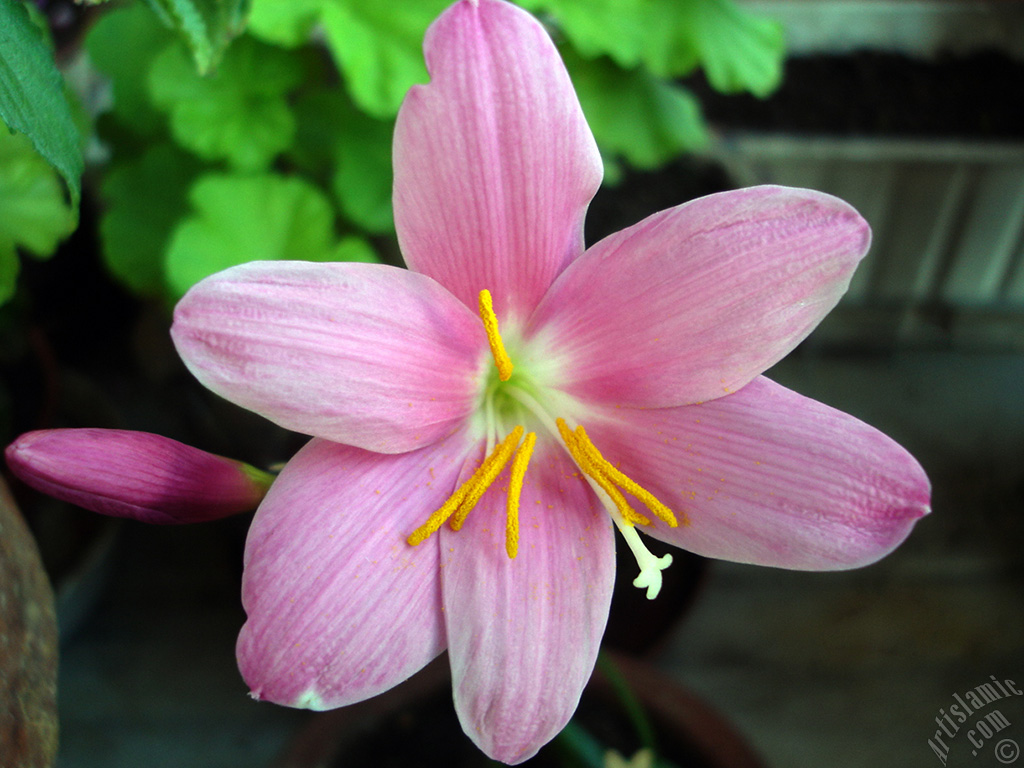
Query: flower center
x=516 y=401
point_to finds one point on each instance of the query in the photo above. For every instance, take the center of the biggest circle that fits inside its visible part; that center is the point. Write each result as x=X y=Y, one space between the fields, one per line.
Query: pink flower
x=616 y=387
x=137 y=475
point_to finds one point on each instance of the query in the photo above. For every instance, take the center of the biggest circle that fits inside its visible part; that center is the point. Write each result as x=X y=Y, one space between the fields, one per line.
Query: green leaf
x=355 y=248
x=8 y=272
x=635 y=115
x=206 y=26
x=379 y=48
x=32 y=96
x=239 y=113
x=354 y=149
x=620 y=29
x=145 y=199
x=320 y=111
x=739 y=50
x=284 y=22
x=238 y=219
x=122 y=45
x=34 y=214
x=363 y=180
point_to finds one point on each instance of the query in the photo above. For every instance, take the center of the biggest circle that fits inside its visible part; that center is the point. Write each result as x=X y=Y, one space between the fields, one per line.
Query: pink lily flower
x=137 y=475
x=484 y=421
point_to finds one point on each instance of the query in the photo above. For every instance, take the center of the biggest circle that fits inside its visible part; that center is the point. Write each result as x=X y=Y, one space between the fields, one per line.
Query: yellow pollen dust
x=501 y=358
x=608 y=477
x=461 y=503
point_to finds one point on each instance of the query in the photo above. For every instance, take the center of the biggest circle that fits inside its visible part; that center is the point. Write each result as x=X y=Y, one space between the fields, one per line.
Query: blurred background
x=207 y=147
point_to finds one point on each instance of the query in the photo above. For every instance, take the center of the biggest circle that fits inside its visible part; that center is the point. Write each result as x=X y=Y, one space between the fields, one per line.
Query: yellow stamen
x=501 y=358
x=630 y=515
x=486 y=475
x=436 y=520
x=515 y=488
x=628 y=484
x=468 y=494
x=594 y=465
x=605 y=476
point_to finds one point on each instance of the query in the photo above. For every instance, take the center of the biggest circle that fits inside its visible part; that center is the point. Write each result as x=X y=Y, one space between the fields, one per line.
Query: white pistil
x=650 y=565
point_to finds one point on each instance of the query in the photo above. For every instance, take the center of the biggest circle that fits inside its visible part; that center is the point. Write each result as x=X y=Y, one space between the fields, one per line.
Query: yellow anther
x=436 y=520
x=485 y=475
x=501 y=358
x=461 y=503
x=607 y=477
x=628 y=484
x=572 y=442
x=567 y=436
x=629 y=514
x=515 y=488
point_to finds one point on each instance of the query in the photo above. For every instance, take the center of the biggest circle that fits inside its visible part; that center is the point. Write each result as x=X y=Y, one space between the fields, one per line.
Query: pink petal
x=494 y=163
x=523 y=634
x=695 y=301
x=362 y=354
x=340 y=607
x=770 y=477
x=136 y=475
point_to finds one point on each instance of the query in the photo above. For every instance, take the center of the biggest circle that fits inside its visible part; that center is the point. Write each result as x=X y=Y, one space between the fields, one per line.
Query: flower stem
x=633 y=708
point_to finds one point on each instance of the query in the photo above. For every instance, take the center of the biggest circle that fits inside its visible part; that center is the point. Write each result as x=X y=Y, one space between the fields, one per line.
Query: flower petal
x=695 y=301
x=137 y=475
x=340 y=607
x=770 y=477
x=523 y=634
x=494 y=162
x=362 y=354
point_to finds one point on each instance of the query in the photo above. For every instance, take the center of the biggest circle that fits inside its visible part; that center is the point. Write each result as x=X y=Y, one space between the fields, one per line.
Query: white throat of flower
x=606 y=480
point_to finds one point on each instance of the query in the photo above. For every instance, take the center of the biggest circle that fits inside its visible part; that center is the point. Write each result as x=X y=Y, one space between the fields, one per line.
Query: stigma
x=609 y=483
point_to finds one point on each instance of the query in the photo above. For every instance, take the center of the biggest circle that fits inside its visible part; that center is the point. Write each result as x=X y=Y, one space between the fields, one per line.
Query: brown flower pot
x=28 y=647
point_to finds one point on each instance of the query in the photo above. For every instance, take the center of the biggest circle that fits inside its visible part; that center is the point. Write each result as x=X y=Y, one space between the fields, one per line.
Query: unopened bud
x=137 y=475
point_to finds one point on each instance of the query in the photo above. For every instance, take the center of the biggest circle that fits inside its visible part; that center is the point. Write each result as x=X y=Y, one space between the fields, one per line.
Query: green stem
x=582 y=748
x=634 y=710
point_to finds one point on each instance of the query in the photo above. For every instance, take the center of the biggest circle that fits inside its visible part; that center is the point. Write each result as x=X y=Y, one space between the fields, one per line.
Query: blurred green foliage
x=238 y=113
x=261 y=129
x=207 y=27
x=377 y=46
x=671 y=38
x=32 y=94
x=34 y=215
x=239 y=218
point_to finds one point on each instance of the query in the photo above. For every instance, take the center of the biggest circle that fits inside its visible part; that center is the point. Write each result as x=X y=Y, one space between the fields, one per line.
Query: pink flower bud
x=137 y=475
